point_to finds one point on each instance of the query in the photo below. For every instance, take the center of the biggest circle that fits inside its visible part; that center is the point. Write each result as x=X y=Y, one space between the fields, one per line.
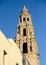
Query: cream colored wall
x=1 y=57
x=13 y=55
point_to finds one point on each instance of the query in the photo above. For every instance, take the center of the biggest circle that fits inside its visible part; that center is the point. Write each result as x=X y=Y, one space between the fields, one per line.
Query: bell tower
x=25 y=38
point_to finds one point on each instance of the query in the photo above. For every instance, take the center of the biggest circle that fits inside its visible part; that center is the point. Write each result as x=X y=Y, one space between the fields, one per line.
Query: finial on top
x=24 y=6
x=24 y=9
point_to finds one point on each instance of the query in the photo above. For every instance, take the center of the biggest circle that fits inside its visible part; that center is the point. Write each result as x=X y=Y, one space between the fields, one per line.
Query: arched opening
x=25 y=50
x=24 y=19
x=24 y=32
x=30 y=48
x=4 y=57
x=27 y=19
x=17 y=64
x=5 y=52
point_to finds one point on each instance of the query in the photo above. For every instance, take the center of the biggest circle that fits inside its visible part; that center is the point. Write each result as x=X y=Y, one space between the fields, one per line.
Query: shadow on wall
x=25 y=62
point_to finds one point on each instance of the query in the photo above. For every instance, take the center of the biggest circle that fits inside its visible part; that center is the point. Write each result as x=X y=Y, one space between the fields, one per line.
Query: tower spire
x=24 y=9
x=25 y=38
x=24 y=6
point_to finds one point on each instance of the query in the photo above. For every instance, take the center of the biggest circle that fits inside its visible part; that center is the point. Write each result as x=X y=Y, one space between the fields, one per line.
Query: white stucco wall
x=13 y=55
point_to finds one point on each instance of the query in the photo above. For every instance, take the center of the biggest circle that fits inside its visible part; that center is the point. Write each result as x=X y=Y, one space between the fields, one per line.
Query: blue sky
x=9 y=19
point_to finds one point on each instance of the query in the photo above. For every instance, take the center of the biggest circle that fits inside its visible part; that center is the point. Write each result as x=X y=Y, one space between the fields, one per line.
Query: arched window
x=17 y=64
x=27 y=19
x=5 y=52
x=25 y=50
x=24 y=19
x=24 y=32
x=30 y=48
x=4 y=57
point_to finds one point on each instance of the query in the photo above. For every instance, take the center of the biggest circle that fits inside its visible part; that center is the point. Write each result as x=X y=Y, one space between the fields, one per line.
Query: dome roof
x=25 y=9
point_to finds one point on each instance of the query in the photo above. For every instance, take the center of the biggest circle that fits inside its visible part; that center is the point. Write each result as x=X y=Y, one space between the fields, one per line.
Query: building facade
x=25 y=38
x=10 y=54
x=24 y=49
